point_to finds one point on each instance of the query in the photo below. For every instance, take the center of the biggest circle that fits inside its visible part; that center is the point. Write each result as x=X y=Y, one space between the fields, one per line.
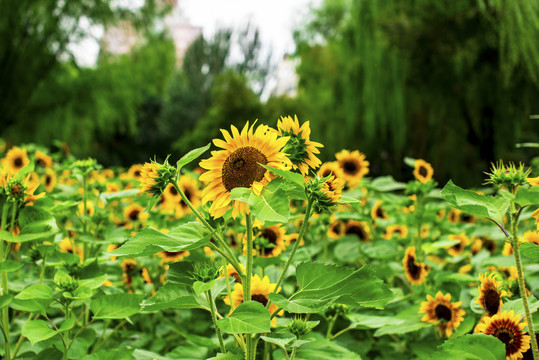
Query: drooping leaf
x=471 y=347
x=115 y=306
x=250 y=317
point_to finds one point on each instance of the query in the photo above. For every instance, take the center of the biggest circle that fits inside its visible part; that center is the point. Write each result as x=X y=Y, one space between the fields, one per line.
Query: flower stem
x=4 y=283
x=247 y=279
x=331 y=323
x=214 y=319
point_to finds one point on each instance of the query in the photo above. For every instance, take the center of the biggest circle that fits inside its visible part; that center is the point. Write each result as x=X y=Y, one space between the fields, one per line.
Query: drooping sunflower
x=416 y=272
x=43 y=160
x=358 y=228
x=353 y=165
x=238 y=166
x=400 y=230
x=16 y=158
x=507 y=327
x=423 y=171
x=172 y=256
x=300 y=149
x=260 y=290
x=458 y=248
x=441 y=311
x=490 y=294
x=271 y=241
x=378 y=212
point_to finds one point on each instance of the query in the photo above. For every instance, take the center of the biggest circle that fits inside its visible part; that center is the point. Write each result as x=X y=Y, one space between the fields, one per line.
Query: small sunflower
x=90 y=208
x=423 y=171
x=453 y=216
x=441 y=311
x=271 y=241
x=416 y=272
x=231 y=272
x=292 y=238
x=135 y=172
x=68 y=246
x=330 y=168
x=43 y=160
x=172 y=256
x=48 y=180
x=530 y=236
x=358 y=228
x=490 y=295
x=300 y=149
x=507 y=327
x=336 y=229
x=353 y=165
x=260 y=290
x=378 y=212
x=458 y=248
x=16 y=158
x=238 y=166
x=134 y=213
x=400 y=230
x=189 y=187
x=507 y=249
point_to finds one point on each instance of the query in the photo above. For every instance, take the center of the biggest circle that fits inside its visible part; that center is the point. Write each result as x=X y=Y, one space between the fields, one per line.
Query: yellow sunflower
x=300 y=149
x=48 y=180
x=238 y=166
x=458 y=248
x=43 y=160
x=148 y=177
x=112 y=247
x=416 y=272
x=353 y=165
x=535 y=215
x=16 y=158
x=90 y=208
x=134 y=213
x=423 y=171
x=336 y=229
x=441 y=311
x=358 y=228
x=189 y=187
x=453 y=216
x=530 y=236
x=32 y=183
x=172 y=256
x=330 y=168
x=332 y=189
x=231 y=272
x=507 y=249
x=378 y=212
x=135 y=172
x=533 y=181
x=400 y=230
x=292 y=238
x=68 y=246
x=490 y=295
x=260 y=290
x=507 y=327
x=271 y=241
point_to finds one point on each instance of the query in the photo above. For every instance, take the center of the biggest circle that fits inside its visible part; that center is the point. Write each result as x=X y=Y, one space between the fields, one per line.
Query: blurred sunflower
x=189 y=187
x=358 y=228
x=423 y=171
x=530 y=236
x=336 y=229
x=135 y=172
x=400 y=230
x=300 y=149
x=43 y=160
x=441 y=311
x=458 y=248
x=353 y=165
x=330 y=168
x=271 y=241
x=133 y=213
x=48 y=179
x=507 y=327
x=16 y=158
x=378 y=212
x=292 y=238
x=231 y=272
x=90 y=208
x=490 y=295
x=238 y=166
x=68 y=246
x=172 y=256
x=112 y=247
x=416 y=272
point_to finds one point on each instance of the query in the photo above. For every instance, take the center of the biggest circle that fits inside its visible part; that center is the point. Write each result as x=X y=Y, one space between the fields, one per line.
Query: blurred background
x=454 y=82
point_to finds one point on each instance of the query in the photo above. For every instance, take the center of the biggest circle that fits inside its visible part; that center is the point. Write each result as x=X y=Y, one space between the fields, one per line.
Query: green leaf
x=149 y=241
x=281 y=342
x=35 y=292
x=271 y=206
x=170 y=296
x=518 y=307
x=320 y=348
x=525 y=197
x=366 y=321
x=491 y=207
x=529 y=250
x=10 y=265
x=37 y=330
x=409 y=161
x=67 y=325
x=431 y=247
x=5 y=300
x=250 y=317
x=293 y=177
x=115 y=306
x=386 y=183
x=228 y=356
x=106 y=197
x=471 y=347
x=200 y=287
x=191 y=156
x=411 y=322
x=36 y=224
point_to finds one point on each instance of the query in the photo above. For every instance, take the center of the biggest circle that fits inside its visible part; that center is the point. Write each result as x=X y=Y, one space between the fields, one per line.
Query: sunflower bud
x=299 y=326
x=65 y=282
x=16 y=190
x=508 y=175
x=337 y=310
x=205 y=271
x=324 y=193
x=85 y=167
x=154 y=177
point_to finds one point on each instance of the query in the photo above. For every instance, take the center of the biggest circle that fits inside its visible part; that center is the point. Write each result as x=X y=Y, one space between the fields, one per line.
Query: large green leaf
x=35 y=223
x=106 y=197
x=367 y=321
x=386 y=183
x=492 y=207
x=272 y=205
x=171 y=296
x=471 y=347
x=320 y=285
x=191 y=156
x=323 y=349
x=115 y=306
x=150 y=241
x=37 y=330
x=250 y=317
x=411 y=321
x=518 y=307
x=530 y=250
x=529 y=196
x=10 y=265
x=35 y=292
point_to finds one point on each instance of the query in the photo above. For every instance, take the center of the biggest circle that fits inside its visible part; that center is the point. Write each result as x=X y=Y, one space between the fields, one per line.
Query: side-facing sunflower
x=490 y=295
x=43 y=160
x=16 y=158
x=423 y=171
x=237 y=165
x=358 y=228
x=507 y=327
x=300 y=149
x=458 y=248
x=353 y=165
x=416 y=272
x=441 y=311
x=172 y=256
x=378 y=212
x=400 y=230
x=260 y=290
x=271 y=241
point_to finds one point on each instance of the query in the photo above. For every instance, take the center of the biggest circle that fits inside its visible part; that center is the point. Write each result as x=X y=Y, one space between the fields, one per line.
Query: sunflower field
x=258 y=250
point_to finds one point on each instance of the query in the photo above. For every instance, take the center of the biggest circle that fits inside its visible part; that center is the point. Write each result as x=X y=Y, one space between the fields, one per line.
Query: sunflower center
x=350 y=167
x=129 y=268
x=40 y=162
x=357 y=230
x=137 y=173
x=492 y=301
x=269 y=235
x=260 y=298
x=48 y=180
x=336 y=228
x=18 y=162
x=380 y=213
x=173 y=191
x=423 y=171
x=442 y=312
x=466 y=218
x=326 y=173
x=16 y=189
x=133 y=215
x=236 y=277
x=241 y=168
x=504 y=335
x=413 y=269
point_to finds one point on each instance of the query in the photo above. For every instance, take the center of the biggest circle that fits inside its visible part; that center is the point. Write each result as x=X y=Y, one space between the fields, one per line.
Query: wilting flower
x=441 y=311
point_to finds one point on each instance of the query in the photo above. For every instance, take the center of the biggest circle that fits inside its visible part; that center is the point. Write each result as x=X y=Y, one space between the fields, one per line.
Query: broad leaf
x=191 y=156
x=471 y=347
x=530 y=250
x=386 y=183
x=529 y=196
x=115 y=306
x=106 y=197
x=366 y=321
x=10 y=265
x=518 y=307
x=37 y=330
x=36 y=224
x=35 y=292
x=271 y=206
x=320 y=348
x=250 y=317
x=171 y=296
x=411 y=321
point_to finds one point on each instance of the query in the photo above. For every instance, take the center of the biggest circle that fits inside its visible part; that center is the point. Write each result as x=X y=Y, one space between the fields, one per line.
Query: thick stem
x=214 y=319
x=247 y=279
x=293 y=355
x=419 y=220
x=4 y=284
x=331 y=323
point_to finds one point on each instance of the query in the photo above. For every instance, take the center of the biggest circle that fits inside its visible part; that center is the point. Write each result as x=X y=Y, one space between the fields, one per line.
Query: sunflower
x=271 y=241
x=172 y=256
x=453 y=216
x=465 y=269
x=378 y=212
x=233 y=239
x=330 y=168
x=135 y=172
x=509 y=272
x=332 y=189
x=416 y=272
x=134 y=213
x=358 y=228
x=530 y=236
x=149 y=176
x=260 y=290
x=400 y=230
x=48 y=180
x=483 y=242
x=507 y=249
x=32 y=183
x=458 y=248
x=336 y=229
x=238 y=166
x=441 y=311
x=43 y=160
x=423 y=171
x=90 y=209
x=16 y=158
x=300 y=149
x=112 y=247
x=292 y=238
x=490 y=295
x=533 y=181
x=507 y=327
x=231 y=272
x=68 y=246
x=353 y=165
x=189 y=187
x=535 y=215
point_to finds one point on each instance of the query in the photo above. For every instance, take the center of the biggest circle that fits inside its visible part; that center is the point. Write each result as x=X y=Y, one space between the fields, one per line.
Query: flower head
x=353 y=165
x=490 y=297
x=508 y=175
x=441 y=311
x=423 y=171
x=154 y=177
x=416 y=272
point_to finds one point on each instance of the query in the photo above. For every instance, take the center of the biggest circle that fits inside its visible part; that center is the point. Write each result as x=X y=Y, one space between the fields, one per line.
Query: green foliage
x=115 y=306
x=250 y=317
x=471 y=347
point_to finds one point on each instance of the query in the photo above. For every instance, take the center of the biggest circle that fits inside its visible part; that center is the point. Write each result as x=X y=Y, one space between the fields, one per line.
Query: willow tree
x=450 y=81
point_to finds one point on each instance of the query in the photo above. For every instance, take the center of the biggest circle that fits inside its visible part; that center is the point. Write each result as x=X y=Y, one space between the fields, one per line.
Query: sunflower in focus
x=260 y=290
x=400 y=230
x=490 y=295
x=300 y=149
x=237 y=165
x=507 y=327
x=271 y=241
x=43 y=160
x=353 y=165
x=441 y=311
x=358 y=228
x=458 y=248
x=416 y=272
x=16 y=158
x=423 y=171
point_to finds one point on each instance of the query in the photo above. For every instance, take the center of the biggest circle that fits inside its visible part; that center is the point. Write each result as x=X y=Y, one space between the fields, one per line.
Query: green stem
x=330 y=327
x=522 y=286
x=42 y=270
x=293 y=355
x=4 y=284
x=104 y=340
x=21 y=337
x=214 y=319
x=247 y=279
